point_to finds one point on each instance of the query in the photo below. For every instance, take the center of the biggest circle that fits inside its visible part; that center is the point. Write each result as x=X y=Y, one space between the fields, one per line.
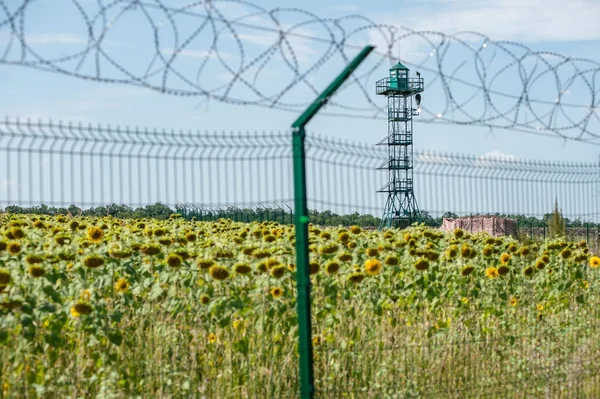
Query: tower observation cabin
x=401 y=208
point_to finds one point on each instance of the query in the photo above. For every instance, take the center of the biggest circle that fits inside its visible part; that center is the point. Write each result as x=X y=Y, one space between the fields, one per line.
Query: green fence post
x=531 y=231
x=544 y=230
x=587 y=233
x=307 y=388
x=302 y=268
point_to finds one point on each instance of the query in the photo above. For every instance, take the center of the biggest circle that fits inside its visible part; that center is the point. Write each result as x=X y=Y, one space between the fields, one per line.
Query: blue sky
x=53 y=28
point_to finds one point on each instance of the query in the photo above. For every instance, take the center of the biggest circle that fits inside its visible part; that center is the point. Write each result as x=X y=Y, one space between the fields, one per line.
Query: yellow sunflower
x=343 y=237
x=372 y=252
x=212 y=338
x=487 y=250
x=566 y=253
x=314 y=267
x=93 y=261
x=491 y=272
x=174 y=260
x=95 y=234
x=278 y=271
x=355 y=229
x=204 y=299
x=242 y=268
x=122 y=285
x=468 y=269
x=503 y=270
x=81 y=308
x=345 y=257
x=205 y=263
x=86 y=294
x=218 y=272
x=422 y=264
x=269 y=238
x=33 y=259
x=540 y=307
x=452 y=252
x=539 y=264
x=36 y=271
x=14 y=248
x=150 y=249
x=329 y=248
x=5 y=277
x=277 y=292
x=17 y=232
x=546 y=259
x=356 y=277
x=373 y=267
x=528 y=271
x=332 y=267
x=505 y=258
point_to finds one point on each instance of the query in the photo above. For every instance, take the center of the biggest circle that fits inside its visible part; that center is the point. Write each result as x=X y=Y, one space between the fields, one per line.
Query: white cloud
x=521 y=20
x=44 y=39
x=493 y=158
x=261 y=39
x=432 y=157
x=54 y=38
x=66 y=39
x=348 y=8
x=497 y=155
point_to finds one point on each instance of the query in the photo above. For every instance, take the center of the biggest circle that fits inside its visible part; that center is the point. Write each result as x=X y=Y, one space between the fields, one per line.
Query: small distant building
x=493 y=225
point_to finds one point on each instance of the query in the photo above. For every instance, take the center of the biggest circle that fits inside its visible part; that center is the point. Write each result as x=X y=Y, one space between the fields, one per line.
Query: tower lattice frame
x=401 y=207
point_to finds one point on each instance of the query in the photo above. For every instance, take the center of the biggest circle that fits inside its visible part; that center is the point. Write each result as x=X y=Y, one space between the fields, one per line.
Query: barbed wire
x=237 y=52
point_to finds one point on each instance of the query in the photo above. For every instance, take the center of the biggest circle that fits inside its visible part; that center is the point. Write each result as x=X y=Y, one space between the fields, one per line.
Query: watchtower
x=401 y=207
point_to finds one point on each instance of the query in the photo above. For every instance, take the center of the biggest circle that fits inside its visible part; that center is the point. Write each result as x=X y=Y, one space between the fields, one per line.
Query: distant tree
x=449 y=215
x=556 y=223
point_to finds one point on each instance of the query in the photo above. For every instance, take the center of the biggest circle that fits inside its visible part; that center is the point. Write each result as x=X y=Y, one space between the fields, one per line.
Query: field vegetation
x=105 y=307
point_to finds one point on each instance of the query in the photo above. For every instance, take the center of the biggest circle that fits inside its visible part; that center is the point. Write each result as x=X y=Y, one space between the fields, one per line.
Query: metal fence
x=63 y=164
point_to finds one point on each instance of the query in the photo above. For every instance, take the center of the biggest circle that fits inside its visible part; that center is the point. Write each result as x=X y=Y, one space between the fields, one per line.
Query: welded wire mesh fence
x=343 y=178
x=63 y=164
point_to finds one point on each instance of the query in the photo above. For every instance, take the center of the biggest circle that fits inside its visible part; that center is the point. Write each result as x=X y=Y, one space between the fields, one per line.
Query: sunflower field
x=103 y=307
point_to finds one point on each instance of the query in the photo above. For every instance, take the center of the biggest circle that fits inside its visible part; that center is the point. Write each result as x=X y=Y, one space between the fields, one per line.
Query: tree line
x=323 y=218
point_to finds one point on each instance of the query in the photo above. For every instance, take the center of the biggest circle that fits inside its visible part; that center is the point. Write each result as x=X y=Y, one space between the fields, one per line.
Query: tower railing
x=398 y=84
x=401 y=115
x=396 y=164
x=400 y=186
x=403 y=138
